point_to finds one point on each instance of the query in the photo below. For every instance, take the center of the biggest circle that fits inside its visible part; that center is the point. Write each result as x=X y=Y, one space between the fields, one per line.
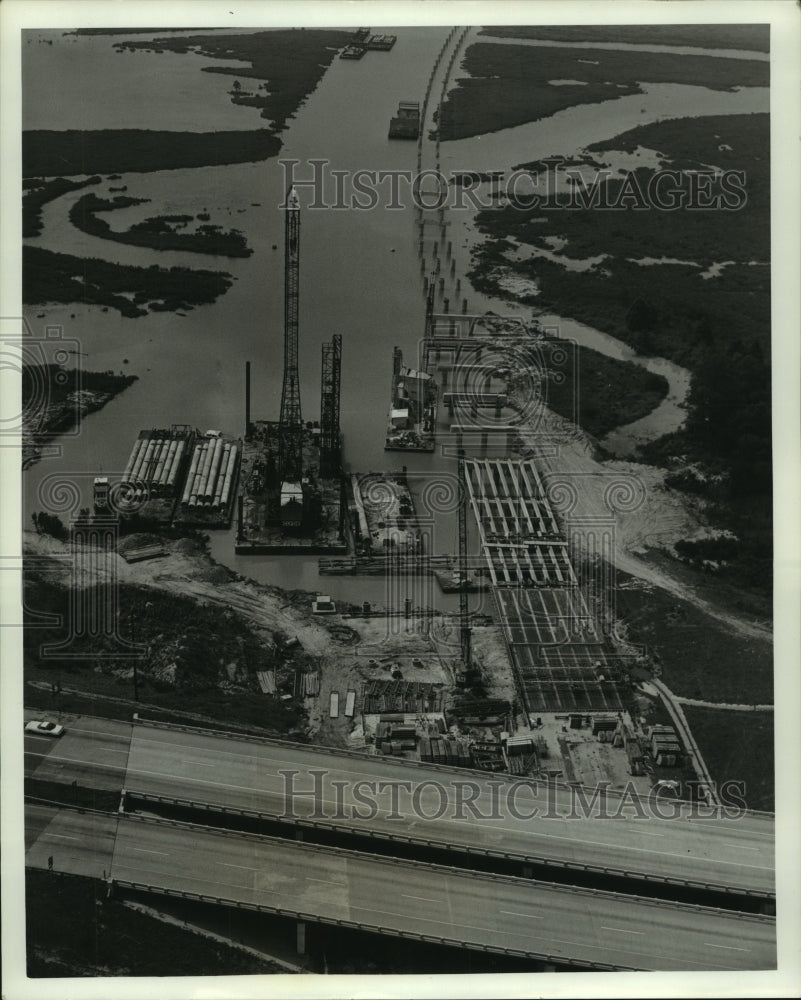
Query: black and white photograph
x=400 y=452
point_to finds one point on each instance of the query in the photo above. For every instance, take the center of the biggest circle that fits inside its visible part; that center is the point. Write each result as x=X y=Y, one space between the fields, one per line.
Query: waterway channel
x=360 y=271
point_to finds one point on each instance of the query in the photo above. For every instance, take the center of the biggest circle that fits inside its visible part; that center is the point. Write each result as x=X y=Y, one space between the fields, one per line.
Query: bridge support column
x=484 y=438
x=444 y=377
x=301 y=938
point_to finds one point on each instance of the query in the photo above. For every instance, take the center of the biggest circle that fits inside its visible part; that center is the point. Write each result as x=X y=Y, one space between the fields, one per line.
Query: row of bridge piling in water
x=439 y=264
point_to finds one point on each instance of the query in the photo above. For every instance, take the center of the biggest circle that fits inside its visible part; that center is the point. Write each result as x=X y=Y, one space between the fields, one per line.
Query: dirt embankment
x=345 y=652
x=648 y=516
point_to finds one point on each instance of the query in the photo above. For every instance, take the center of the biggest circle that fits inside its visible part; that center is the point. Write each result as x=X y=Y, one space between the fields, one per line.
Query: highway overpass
x=461 y=811
x=555 y=924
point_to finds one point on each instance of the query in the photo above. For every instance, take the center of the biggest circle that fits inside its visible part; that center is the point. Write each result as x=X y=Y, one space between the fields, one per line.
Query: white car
x=44 y=728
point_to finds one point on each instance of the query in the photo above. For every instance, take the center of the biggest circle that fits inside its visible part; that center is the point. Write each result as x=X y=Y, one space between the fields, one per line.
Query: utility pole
x=136 y=659
x=464 y=627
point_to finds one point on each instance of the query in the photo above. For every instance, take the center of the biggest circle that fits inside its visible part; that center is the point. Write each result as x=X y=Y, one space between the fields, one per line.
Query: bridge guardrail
x=363 y=926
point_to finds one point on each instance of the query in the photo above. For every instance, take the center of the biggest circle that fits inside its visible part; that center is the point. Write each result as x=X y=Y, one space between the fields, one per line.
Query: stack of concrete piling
x=155 y=462
x=209 y=482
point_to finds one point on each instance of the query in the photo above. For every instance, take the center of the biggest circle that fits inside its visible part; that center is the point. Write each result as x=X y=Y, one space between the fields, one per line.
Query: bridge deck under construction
x=562 y=659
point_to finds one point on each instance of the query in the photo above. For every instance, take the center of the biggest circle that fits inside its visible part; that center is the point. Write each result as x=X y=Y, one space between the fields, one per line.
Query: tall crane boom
x=290 y=453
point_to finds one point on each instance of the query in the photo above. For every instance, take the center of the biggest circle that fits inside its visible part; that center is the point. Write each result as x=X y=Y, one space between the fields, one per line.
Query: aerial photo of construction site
x=396 y=480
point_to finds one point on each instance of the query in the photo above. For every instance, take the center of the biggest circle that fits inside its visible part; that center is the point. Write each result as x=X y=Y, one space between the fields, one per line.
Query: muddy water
x=360 y=271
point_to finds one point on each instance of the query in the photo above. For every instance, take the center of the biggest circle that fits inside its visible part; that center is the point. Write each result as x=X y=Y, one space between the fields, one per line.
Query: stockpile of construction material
x=666 y=747
x=401 y=696
x=210 y=481
x=394 y=736
x=452 y=750
x=487 y=756
x=307 y=684
x=635 y=756
x=604 y=727
x=156 y=462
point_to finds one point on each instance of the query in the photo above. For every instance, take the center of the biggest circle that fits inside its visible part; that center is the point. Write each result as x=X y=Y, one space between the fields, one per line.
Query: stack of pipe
x=218 y=485
x=172 y=475
x=214 y=471
x=190 y=479
x=229 y=477
x=128 y=474
x=205 y=470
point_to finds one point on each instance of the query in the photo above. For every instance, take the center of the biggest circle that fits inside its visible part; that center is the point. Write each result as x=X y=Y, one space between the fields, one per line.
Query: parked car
x=44 y=728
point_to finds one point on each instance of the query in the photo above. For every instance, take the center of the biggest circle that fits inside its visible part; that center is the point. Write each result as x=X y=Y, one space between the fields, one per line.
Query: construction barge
x=179 y=475
x=262 y=527
x=381 y=43
x=406 y=123
x=352 y=52
x=443 y=568
x=383 y=518
x=362 y=41
x=412 y=423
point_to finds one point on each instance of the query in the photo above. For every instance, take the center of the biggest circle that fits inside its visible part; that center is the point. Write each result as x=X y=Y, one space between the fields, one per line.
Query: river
x=360 y=271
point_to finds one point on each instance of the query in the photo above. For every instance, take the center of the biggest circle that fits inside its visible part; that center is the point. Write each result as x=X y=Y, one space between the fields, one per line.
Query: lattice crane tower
x=290 y=453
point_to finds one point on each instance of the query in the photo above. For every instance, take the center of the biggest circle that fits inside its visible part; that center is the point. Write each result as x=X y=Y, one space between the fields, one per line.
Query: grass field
x=64 y=154
x=159 y=233
x=747 y=37
x=195 y=658
x=737 y=746
x=698 y=656
x=600 y=393
x=73 y=929
x=290 y=61
x=719 y=327
x=38 y=193
x=507 y=85
x=59 y=277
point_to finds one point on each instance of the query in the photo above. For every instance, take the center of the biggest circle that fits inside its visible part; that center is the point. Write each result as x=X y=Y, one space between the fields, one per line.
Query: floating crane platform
x=259 y=529
x=412 y=422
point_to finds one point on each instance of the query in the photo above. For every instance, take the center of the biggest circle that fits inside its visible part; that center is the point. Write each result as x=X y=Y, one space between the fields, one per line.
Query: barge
x=406 y=123
x=412 y=422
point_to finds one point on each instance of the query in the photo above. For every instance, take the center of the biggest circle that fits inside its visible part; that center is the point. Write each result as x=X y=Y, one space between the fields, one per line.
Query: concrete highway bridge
x=462 y=811
x=553 y=924
x=223 y=777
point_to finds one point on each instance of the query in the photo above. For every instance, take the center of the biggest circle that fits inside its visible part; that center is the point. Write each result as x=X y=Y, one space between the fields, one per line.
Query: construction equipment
x=291 y=424
x=330 y=439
